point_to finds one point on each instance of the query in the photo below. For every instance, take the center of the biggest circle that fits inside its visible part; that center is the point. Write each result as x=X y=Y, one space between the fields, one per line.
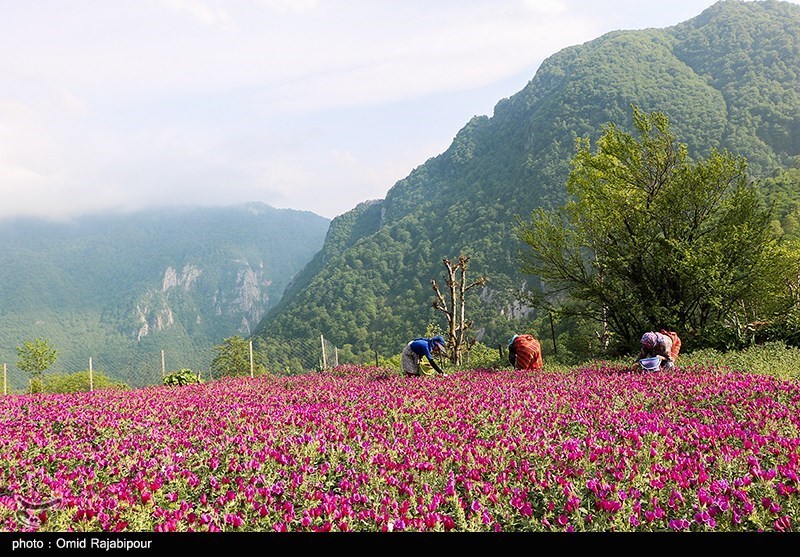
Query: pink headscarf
x=649 y=339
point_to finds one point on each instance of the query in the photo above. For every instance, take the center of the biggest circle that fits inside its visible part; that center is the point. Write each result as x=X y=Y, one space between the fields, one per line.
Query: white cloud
x=201 y=11
x=545 y=6
x=290 y=6
x=309 y=104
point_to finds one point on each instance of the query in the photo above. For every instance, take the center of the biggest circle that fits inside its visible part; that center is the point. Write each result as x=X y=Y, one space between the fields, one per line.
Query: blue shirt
x=422 y=347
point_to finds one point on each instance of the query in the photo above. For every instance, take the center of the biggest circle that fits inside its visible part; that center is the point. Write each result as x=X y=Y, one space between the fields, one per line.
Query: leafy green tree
x=783 y=193
x=779 y=318
x=649 y=239
x=35 y=357
x=233 y=357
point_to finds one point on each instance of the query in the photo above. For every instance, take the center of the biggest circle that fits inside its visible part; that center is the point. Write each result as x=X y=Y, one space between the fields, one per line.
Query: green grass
x=773 y=358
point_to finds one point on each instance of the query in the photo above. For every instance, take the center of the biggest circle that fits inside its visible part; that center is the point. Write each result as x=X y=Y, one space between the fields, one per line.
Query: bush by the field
x=182 y=377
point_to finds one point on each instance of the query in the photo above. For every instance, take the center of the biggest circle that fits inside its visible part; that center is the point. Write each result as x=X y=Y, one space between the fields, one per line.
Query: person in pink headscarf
x=664 y=344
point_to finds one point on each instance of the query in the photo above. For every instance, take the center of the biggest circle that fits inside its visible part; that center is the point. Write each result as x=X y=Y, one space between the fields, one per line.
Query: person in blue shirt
x=419 y=348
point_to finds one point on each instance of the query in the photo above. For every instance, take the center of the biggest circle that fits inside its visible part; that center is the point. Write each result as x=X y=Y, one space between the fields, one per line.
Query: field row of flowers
x=367 y=450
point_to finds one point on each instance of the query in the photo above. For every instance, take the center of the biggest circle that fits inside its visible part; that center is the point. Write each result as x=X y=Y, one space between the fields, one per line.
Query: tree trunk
x=455 y=307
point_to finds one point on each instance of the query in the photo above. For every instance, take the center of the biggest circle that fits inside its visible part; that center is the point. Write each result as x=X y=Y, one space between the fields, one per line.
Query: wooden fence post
x=91 y=378
x=324 y=358
x=163 y=366
x=5 y=381
x=252 y=367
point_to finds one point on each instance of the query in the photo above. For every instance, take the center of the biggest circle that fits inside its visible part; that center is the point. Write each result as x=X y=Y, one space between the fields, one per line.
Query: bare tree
x=454 y=307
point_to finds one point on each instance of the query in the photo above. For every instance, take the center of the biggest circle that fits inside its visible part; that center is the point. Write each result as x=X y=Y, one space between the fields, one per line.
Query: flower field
x=368 y=450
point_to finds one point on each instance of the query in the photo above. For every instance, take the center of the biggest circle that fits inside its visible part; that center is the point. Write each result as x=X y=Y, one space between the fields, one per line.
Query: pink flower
x=679 y=524
x=234 y=520
x=783 y=524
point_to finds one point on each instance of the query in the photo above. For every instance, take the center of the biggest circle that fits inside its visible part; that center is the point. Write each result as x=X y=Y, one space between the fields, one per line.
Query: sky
x=314 y=105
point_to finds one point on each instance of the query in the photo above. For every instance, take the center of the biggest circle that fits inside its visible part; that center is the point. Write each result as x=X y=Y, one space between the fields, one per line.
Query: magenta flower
x=783 y=524
x=345 y=451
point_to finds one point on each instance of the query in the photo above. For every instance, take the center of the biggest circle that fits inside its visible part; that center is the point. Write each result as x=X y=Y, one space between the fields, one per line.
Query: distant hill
x=120 y=288
x=728 y=78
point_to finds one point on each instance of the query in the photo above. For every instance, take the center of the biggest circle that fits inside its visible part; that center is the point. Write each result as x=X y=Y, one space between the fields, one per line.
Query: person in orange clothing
x=525 y=352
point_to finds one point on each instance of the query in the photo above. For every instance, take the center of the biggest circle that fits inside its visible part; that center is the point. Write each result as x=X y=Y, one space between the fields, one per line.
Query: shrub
x=484 y=357
x=182 y=377
x=79 y=382
x=392 y=362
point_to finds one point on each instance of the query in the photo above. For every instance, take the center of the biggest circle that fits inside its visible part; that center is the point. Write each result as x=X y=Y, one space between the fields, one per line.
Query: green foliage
x=650 y=239
x=393 y=362
x=727 y=78
x=182 y=377
x=36 y=356
x=79 y=382
x=481 y=356
x=783 y=193
x=772 y=358
x=433 y=329
x=776 y=359
x=786 y=329
x=478 y=356
x=233 y=357
x=368 y=287
x=177 y=279
x=575 y=339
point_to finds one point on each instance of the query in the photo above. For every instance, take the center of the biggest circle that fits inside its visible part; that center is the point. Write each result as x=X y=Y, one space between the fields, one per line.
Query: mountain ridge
x=117 y=287
x=718 y=77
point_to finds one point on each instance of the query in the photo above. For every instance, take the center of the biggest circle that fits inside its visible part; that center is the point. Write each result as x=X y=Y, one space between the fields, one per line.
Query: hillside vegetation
x=726 y=79
x=122 y=288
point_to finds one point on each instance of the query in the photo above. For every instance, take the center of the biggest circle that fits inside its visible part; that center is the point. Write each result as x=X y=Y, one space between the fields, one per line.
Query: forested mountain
x=121 y=288
x=727 y=79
